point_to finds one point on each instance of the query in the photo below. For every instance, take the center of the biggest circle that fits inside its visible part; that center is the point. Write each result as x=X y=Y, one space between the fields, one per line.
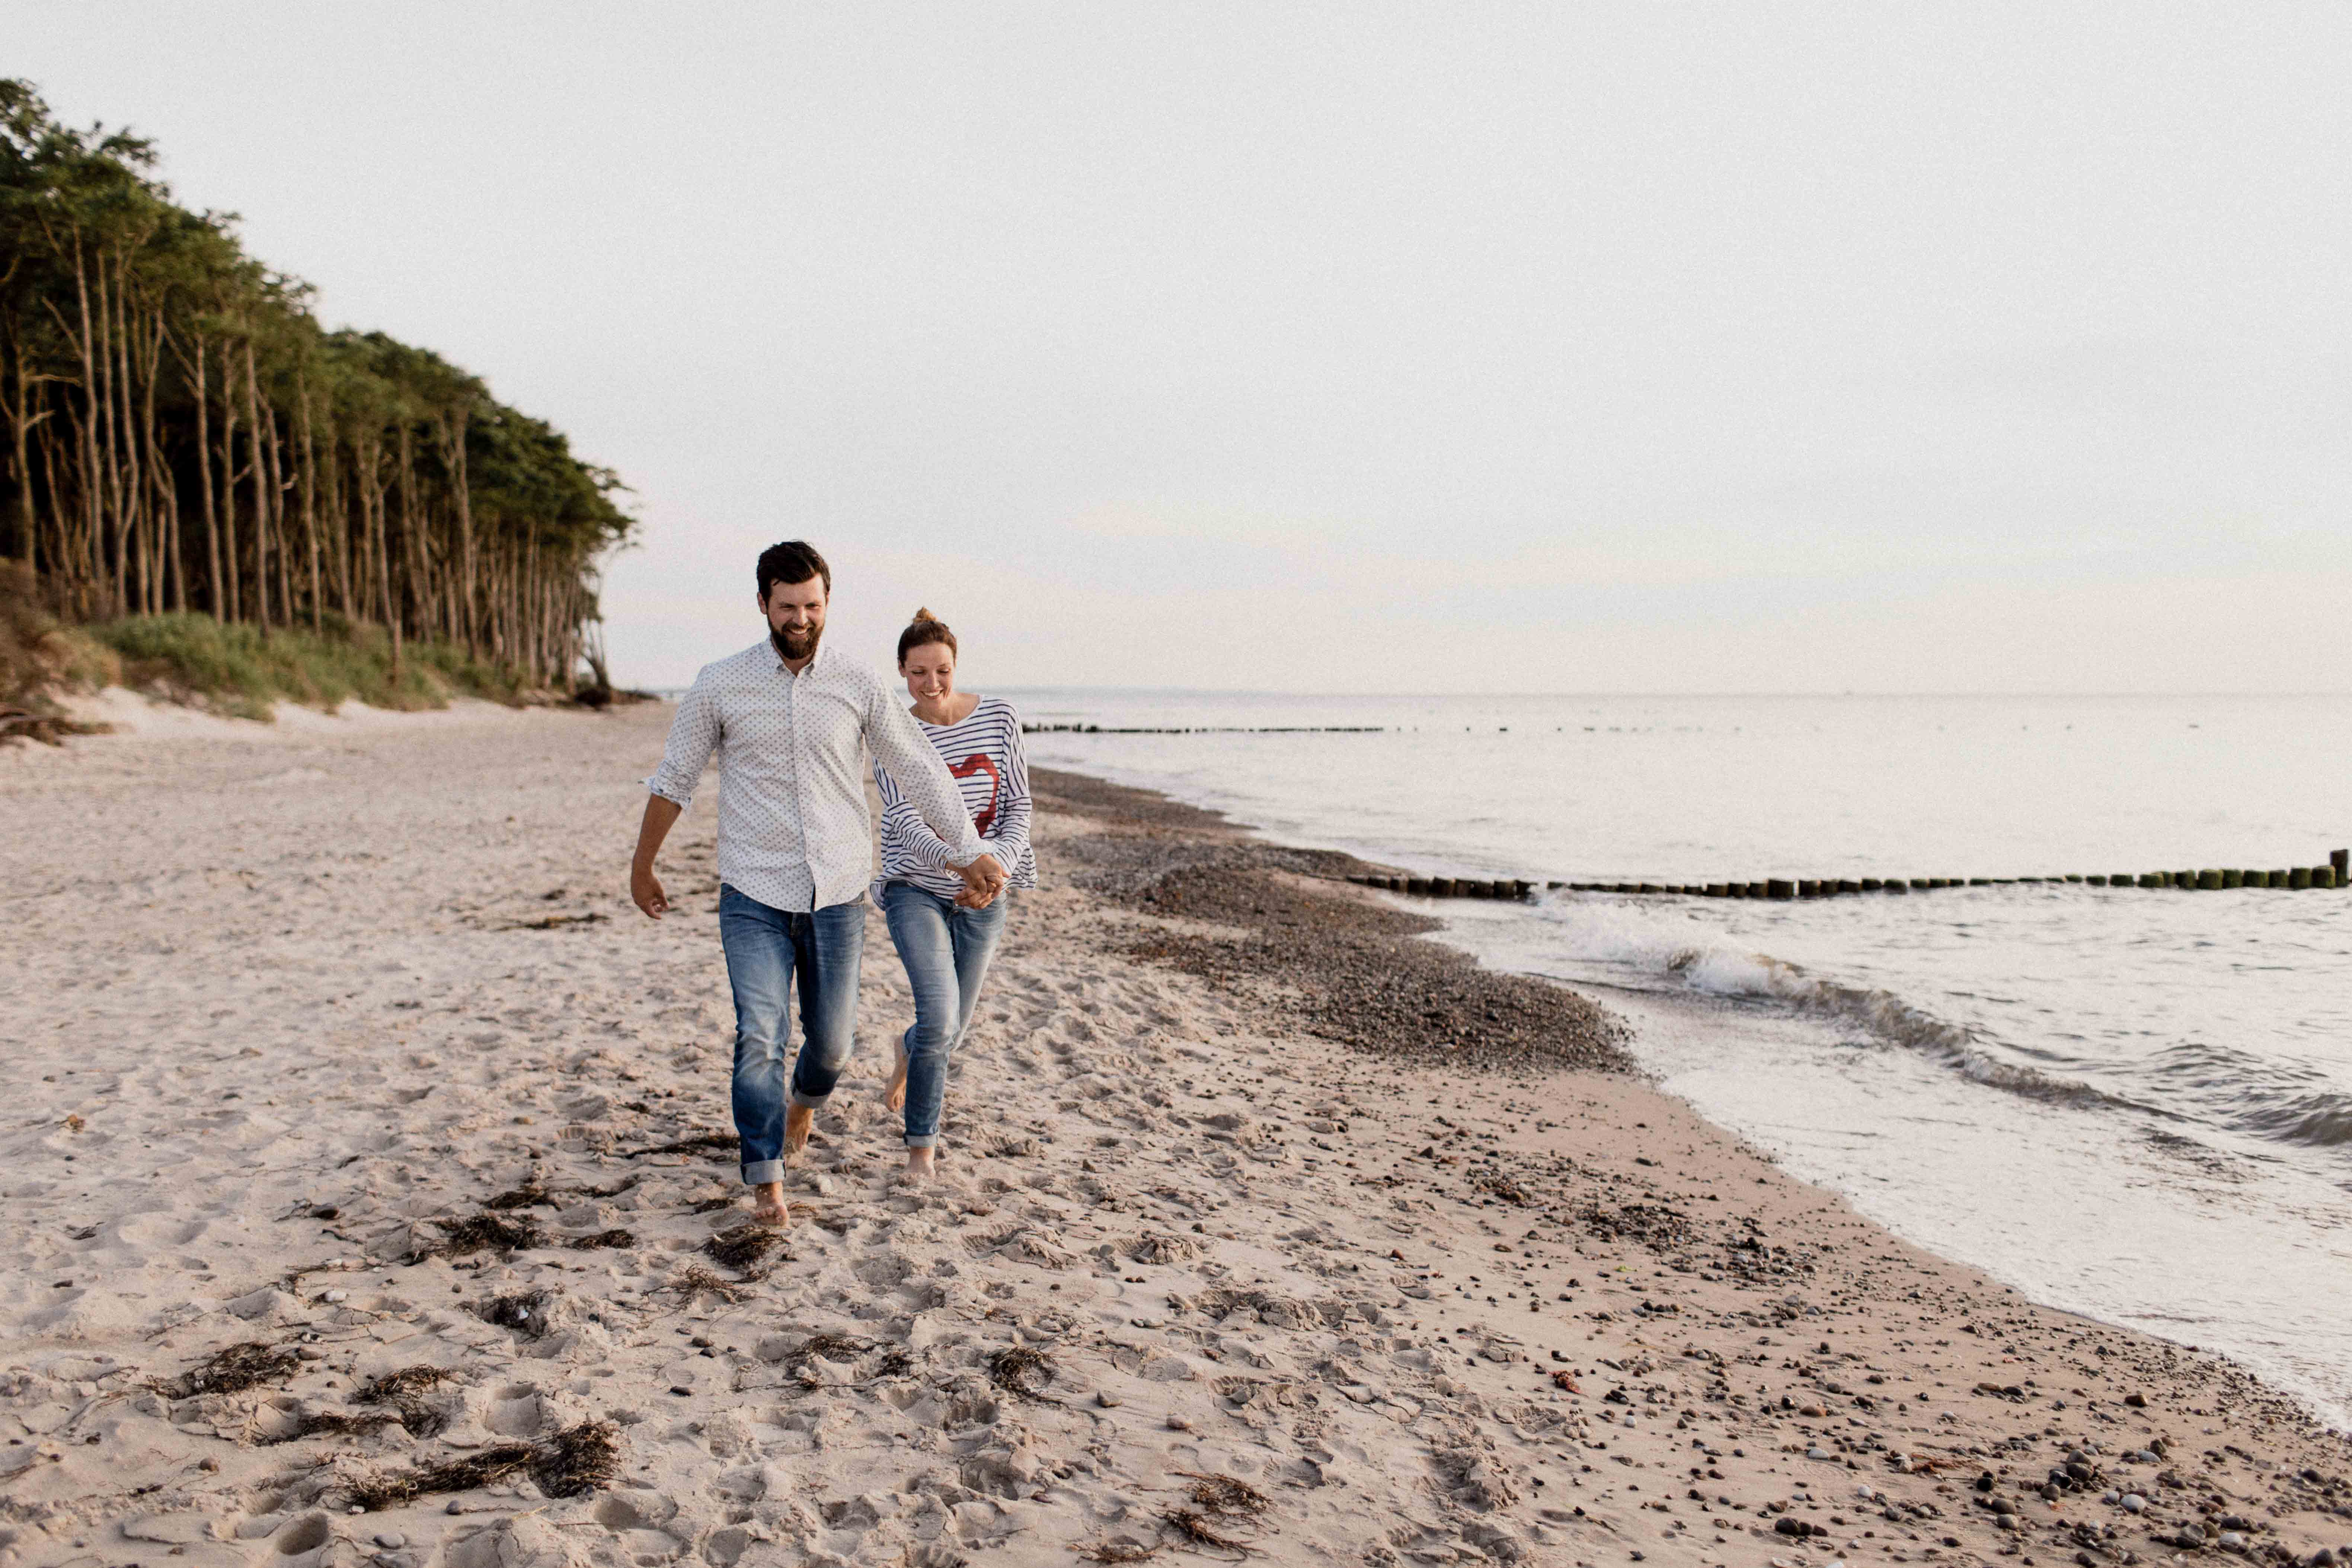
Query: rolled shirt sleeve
x=694 y=733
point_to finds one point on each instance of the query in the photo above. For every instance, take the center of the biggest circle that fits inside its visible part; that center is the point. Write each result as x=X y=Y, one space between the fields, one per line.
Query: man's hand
x=645 y=888
x=984 y=879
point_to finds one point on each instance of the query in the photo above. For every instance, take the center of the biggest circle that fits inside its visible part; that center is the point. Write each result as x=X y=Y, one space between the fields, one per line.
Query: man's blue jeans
x=768 y=951
x=946 y=949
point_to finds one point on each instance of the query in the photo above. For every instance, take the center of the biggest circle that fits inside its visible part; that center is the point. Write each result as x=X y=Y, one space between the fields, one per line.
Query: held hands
x=984 y=879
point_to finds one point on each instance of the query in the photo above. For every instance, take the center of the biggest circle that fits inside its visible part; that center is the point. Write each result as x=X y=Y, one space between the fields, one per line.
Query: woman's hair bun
x=924 y=630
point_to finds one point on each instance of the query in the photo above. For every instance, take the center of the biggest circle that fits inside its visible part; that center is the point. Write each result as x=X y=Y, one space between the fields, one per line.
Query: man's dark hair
x=793 y=561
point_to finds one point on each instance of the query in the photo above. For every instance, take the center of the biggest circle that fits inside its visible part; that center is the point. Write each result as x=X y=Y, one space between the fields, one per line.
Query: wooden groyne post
x=2336 y=873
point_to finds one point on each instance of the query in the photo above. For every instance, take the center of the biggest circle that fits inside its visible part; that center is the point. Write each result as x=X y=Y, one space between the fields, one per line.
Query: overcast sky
x=1572 y=348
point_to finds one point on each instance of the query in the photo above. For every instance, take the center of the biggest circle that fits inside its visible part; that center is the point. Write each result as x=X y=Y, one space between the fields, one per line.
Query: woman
x=946 y=923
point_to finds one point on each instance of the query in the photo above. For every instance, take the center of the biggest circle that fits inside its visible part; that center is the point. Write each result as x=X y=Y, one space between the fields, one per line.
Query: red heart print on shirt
x=978 y=763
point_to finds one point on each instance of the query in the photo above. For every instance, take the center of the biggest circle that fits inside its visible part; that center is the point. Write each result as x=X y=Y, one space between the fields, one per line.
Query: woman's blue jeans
x=768 y=951
x=946 y=949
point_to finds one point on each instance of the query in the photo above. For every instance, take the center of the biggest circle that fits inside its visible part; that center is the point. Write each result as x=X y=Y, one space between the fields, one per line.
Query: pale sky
x=1356 y=347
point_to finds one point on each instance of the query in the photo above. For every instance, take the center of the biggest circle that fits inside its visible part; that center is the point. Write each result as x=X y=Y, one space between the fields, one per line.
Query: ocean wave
x=1617 y=937
x=2276 y=1099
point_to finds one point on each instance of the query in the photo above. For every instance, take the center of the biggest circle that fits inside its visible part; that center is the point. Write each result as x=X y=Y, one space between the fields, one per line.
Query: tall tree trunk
x=261 y=496
x=228 y=477
x=214 y=601
x=310 y=474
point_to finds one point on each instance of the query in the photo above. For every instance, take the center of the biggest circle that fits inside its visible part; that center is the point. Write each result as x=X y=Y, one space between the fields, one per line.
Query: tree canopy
x=181 y=434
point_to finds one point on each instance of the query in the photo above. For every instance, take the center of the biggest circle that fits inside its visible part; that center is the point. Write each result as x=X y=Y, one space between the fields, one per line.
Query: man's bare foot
x=919 y=1164
x=768 y=1205
x=894 y=1093
x=798 y=1120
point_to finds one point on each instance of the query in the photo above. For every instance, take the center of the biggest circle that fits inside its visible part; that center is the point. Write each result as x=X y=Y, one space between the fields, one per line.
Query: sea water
x=2131 y=1103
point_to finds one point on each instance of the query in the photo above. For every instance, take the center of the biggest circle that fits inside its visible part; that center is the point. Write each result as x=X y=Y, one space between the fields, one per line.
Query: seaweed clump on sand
x=1220 y=1493
x=602 y=1239
x=235 y=1368
x=525 y=1313
x=1023 y=1373
x=404 y=1392
x=480 y=1233
x=575 y=1460
x=741 y=1247
x=693 y=1280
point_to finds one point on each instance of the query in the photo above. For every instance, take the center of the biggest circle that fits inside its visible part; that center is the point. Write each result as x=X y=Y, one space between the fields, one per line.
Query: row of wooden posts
x=2336 y=873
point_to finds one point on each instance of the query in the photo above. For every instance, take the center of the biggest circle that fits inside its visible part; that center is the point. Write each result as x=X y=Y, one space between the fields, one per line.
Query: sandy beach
x=369 y=1180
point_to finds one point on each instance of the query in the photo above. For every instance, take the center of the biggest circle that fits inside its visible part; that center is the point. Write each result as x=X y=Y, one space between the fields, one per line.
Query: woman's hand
x=984 y=879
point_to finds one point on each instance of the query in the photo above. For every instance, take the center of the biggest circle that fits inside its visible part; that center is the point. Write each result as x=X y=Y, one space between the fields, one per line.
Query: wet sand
x=1262 y=1223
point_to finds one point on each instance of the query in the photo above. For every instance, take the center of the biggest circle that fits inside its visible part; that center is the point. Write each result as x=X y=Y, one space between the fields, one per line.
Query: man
x=791 y=721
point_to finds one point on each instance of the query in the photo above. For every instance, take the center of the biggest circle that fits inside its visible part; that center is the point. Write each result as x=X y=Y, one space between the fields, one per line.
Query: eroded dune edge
x=358 y=1152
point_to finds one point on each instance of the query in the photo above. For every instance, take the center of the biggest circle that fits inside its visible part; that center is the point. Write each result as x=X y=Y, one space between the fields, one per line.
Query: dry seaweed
x=1023 y=1372
x=531 y=1194
x=479 y=1468
x=693 y=1280
x=480 y=1232
x=318 y=1422
x=525 y=1313
x=1195 y=1529
x=399 y=1387
x=403 y=1390
x=1222 y=1493
x=742 y=1246
x=701 y=1143
x=238 y=1367
x=1119 y=1552
x=576 y=1460
x=711 y=1205
x=602 y=1239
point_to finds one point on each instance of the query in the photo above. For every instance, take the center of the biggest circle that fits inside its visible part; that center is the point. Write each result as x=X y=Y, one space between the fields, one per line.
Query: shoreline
x=306 y=1038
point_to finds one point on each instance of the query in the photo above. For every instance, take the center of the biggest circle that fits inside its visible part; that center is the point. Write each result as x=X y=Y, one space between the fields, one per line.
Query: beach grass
x=236 y=669
x=228 y=668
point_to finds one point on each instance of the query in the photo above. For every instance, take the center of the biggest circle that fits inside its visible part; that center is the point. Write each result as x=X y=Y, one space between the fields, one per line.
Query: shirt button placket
x=792 y=778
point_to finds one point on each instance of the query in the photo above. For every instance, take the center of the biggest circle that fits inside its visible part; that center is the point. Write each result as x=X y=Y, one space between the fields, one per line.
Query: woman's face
x=929 y=672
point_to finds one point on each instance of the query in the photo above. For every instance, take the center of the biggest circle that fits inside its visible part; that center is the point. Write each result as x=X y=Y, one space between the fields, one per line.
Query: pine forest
x=183 y=438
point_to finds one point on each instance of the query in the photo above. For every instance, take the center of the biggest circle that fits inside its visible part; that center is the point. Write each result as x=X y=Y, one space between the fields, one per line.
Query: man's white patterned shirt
x=792 y=827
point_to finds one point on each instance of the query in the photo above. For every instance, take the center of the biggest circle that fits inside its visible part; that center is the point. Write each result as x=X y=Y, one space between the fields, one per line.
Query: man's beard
x=798 y=642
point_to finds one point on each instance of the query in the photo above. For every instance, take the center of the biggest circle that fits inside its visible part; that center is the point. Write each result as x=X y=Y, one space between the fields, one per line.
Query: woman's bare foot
x=798 y=1120
x=919 y=1164
x=768 y=1205
x=894 y=1093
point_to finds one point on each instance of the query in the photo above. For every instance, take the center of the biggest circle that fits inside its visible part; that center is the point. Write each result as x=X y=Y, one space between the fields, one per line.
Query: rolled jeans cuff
x=922 y=1141
x=810 y=1101
x=760 y=1172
